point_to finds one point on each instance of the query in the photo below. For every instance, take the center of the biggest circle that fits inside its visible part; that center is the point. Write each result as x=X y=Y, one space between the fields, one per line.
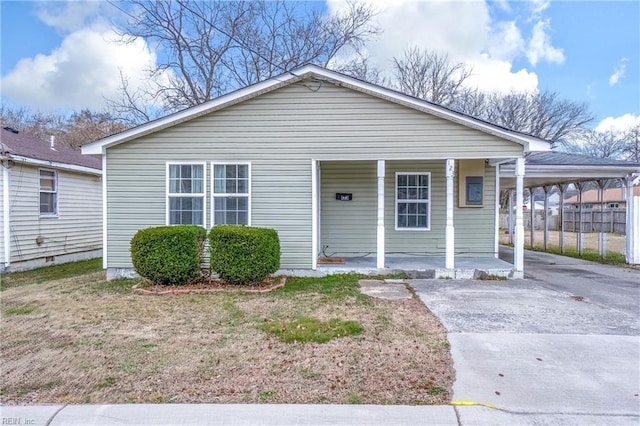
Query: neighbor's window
x=185 y=194
x=231 y=194
x=413 y=204
x=48 y=192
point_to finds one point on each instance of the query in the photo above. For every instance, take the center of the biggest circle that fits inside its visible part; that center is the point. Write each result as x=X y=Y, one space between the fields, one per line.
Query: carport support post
x=518 y=249
x=449 y=231
x=532 y=213
x=562 y=187
x=580 y=186
x=380 y=231
x=546 y=190
x=631 y=229
x=601 y=235
x=510 y=217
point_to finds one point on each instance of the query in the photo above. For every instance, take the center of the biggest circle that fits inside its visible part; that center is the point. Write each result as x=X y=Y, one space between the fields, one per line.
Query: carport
x=549 y=170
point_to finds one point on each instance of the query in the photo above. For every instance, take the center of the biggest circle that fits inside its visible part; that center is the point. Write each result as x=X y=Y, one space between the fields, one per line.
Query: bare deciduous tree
x=544 y=115
x=632 y=144
x=429 y=75
x=213 y=47
x=602 y=144
x=73 y=131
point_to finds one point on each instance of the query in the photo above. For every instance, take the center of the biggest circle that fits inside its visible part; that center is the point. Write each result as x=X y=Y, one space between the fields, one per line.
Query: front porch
x=424 y=267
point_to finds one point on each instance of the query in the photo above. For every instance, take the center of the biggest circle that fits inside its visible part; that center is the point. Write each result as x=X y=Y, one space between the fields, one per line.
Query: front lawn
x=84 y=340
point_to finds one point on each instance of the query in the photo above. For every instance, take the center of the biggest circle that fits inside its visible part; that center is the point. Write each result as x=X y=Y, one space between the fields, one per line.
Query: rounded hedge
x=168 y=255
x=243 y=254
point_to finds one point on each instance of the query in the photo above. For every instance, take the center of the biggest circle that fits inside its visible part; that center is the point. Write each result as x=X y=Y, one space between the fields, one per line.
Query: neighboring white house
x=50 y=203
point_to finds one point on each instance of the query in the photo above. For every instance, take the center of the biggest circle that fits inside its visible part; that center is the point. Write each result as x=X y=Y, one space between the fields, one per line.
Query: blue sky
x=59 y=55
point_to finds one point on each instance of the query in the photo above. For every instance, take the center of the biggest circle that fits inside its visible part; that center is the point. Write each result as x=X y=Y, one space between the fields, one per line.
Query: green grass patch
x=612 y=258
x=354 y=398
x=336 y=287
x=307 y=330
x=50 y=273
x=106 y=383
x=436 y=390
x=117 y=286
x=265 y=395
x=19 y=310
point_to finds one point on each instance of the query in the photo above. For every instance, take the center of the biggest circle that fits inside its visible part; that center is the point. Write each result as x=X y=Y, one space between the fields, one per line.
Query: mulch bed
x=210 y=285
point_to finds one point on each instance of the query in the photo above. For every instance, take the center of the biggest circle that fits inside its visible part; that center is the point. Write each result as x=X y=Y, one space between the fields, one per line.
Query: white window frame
x=428 y=201
x=214 y=195
x=55 y=191
x=191 y=194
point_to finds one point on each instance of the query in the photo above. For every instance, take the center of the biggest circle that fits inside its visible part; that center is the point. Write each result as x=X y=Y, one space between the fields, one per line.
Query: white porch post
x=314 y=215
x=380 y=233
x=518 y=249
x=532 y=215
x=449 y=231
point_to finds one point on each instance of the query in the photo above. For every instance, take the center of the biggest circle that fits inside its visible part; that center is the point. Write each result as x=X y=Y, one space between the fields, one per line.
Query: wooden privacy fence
x=610 y=220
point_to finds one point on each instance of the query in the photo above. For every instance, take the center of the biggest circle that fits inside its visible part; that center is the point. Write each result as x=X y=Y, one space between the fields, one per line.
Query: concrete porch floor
x=424 y=267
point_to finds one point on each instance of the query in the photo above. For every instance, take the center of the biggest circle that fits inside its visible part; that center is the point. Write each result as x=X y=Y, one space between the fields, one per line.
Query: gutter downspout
x=6 y=217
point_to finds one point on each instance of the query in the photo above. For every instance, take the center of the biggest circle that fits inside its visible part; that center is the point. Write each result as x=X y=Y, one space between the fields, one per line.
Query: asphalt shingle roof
x=554 y=158
x=32 y=147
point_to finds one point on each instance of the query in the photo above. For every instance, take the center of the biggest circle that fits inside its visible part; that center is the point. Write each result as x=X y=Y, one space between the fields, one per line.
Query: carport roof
x=549 y=168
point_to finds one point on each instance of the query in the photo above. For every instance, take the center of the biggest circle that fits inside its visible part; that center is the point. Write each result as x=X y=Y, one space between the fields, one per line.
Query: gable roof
x=22 y=147
x=529 y=143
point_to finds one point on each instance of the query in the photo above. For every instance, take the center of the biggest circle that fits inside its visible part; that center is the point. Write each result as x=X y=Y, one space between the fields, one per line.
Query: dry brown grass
x=82 y=339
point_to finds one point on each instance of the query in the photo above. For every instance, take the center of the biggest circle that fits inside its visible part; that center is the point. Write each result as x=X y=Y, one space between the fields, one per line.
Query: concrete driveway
x=559 y=347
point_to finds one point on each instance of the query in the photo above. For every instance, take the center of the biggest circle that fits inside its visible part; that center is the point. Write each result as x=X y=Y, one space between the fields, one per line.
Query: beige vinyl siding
x=78 y=226
x=279 y=133
x=348 y=228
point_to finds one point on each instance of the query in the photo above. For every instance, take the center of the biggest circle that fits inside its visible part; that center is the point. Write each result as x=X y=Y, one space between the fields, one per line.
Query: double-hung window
x=48 y=193
x=413 y=201
x=231 y=194
x=185 y=193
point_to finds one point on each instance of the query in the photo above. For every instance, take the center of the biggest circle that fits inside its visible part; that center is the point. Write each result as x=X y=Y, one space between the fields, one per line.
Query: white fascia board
x=54 y=164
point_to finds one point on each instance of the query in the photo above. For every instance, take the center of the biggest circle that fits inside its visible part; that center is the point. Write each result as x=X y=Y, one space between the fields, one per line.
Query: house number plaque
x=343 y=196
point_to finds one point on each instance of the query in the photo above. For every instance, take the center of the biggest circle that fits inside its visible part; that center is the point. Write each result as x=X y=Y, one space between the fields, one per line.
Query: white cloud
x=618 y=124
x=492 y=75
x=464 y=30
x=80 y=73
x=618 y=72
x=540 y=47
x=539 y=6
x=68 y=16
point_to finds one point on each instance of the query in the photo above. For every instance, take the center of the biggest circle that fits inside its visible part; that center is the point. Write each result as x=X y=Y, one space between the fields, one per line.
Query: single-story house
x=613 y=198
x=51 y=203
x=339 y=167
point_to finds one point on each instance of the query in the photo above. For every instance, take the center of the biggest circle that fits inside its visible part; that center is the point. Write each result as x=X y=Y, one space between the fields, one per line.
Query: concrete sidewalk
x=286 y=415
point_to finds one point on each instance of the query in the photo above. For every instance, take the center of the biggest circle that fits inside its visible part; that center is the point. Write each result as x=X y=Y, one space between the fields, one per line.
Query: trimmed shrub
x=243 y=254
x=168 y=255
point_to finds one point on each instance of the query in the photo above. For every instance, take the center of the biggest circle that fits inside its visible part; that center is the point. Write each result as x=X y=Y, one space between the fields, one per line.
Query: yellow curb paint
x=469 y=403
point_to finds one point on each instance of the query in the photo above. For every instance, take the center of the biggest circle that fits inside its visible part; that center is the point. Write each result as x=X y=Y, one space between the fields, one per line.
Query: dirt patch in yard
x=82 y=340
